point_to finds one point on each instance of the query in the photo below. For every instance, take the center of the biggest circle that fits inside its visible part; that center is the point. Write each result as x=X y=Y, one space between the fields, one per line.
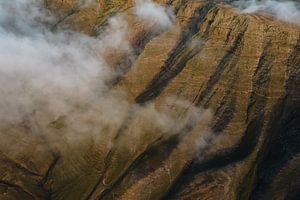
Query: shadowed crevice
x=215 y=77
x=282 y=140
x=22 y=192
x=247 y=143
x=178 y=58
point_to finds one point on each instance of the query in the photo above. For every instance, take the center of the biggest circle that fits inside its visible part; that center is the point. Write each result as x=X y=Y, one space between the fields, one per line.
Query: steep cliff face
x=241 y=70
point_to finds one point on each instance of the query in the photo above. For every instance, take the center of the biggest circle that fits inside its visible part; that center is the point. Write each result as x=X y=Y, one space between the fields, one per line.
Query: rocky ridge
x=244 y=68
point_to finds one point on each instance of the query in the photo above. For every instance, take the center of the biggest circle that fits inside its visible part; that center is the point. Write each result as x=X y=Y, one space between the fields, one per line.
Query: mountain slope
x=242 y=68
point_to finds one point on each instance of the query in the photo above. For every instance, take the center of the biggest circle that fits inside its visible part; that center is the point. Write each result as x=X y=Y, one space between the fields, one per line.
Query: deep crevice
x=178 y=57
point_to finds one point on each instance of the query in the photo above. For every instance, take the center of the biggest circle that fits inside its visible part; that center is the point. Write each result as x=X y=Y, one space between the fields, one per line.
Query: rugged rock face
x=244 y=68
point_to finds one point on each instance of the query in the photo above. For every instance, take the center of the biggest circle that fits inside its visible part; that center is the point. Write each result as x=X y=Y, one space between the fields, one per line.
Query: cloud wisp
x=155 y=13
x=51 y=77
x=288 y=11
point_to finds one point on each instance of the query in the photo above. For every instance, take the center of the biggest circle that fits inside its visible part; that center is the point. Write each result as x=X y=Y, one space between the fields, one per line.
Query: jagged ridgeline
x=139 y=100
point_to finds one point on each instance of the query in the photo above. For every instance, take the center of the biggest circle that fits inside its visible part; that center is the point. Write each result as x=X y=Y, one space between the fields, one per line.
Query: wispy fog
x=285 y=10
x=46 y=76
x=153 y=12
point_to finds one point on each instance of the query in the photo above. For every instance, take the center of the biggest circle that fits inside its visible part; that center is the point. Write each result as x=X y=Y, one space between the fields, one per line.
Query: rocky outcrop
x=244 y=68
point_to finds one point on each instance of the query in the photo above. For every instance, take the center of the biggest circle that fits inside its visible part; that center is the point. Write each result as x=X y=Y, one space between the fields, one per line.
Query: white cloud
x=156 y=13
x=285 y=10
x=46 y=75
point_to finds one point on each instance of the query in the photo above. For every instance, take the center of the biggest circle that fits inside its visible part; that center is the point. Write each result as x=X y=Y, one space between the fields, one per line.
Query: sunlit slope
x=243 y=68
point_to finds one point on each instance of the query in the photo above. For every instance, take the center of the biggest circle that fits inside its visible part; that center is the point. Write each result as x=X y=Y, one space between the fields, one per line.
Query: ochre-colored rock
x=243 y=68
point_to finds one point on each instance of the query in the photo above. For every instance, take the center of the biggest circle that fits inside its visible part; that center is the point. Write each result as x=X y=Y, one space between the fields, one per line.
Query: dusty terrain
x=242 y=71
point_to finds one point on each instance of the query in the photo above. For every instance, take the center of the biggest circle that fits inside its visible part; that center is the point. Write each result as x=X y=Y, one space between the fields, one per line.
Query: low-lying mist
x=285 y=10
x=62 y=79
